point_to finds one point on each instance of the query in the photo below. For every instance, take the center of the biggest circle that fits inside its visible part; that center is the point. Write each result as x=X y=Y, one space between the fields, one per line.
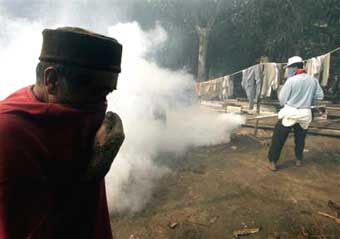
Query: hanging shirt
x=318 y=67
x=326 y=61
x=313 y=67
x=228 y=87
x=203 y=88
x=211 y=89
x=218 y=87
x=251 y=83
x=44 y=148
x=270 y=78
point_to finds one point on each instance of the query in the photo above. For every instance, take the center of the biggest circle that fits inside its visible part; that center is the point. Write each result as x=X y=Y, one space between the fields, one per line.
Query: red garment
x=44 y=148
x=300 y=71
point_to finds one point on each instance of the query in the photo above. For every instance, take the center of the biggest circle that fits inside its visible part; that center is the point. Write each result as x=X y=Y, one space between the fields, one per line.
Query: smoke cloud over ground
x=158 y=106
x=160 y=114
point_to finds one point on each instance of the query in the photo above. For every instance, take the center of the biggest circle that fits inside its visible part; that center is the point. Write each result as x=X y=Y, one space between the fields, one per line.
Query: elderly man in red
x=56 y=144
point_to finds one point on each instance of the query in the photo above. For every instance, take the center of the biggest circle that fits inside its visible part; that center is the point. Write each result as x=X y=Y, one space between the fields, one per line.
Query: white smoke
x=20 y=42
x=160 y=114
x=158 y=106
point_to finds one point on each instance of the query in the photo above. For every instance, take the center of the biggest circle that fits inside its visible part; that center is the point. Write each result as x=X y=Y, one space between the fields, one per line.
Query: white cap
x=294 y=60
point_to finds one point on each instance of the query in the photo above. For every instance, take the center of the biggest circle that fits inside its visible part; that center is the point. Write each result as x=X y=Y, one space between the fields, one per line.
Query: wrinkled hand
x=109 y=139
x=110 y=130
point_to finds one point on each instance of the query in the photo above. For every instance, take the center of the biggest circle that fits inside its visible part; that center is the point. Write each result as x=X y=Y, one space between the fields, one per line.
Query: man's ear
x=51 y=80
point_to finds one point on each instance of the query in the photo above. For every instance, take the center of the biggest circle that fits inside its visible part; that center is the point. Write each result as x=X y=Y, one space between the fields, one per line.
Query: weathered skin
x=109 y=139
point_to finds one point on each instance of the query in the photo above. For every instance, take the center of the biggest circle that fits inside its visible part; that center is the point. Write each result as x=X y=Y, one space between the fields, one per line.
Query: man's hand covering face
x=109 y=139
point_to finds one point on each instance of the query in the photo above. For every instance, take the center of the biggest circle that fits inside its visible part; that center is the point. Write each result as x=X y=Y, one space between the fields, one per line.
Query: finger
x=114 y=121
x=106 y=127
x=114 y=126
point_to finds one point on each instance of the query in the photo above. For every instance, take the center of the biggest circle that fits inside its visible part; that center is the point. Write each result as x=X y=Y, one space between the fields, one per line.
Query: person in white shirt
x=296 y=96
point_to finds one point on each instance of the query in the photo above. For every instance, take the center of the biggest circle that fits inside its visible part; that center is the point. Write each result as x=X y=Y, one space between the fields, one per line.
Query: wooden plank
x=311 y=131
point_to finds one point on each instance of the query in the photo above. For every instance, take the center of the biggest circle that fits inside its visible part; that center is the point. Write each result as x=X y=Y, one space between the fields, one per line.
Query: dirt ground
x=215 y=190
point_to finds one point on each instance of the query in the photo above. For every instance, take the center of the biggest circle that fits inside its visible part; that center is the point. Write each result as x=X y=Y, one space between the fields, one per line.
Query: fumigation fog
x=158 y=106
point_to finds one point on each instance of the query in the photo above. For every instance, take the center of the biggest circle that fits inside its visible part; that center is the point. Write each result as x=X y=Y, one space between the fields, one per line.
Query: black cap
x=80 y=47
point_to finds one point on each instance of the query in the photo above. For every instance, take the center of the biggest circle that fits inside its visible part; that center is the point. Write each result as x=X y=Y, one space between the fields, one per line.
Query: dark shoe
x=272 y=166
x=298 y=163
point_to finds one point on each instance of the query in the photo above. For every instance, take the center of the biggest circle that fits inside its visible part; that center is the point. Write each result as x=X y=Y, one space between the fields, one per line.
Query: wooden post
x=258 y=111
x=263 y=59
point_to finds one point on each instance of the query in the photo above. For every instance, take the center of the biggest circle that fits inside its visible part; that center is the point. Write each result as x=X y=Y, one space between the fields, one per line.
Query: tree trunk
x=203 y=34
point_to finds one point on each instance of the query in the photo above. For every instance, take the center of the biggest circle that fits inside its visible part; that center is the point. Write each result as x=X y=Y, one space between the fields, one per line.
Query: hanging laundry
x=313 y=67
x=325 y=61
x=251 y=82
x=228 y=87
x=270 y=79
x=258 y=80
x=308 y=66
x=319 y=68
x=211 y=89
x=203 y=88
x=217 y=88
x=281 y=73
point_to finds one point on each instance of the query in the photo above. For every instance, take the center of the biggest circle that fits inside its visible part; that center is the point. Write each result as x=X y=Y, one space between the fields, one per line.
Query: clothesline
x=240 y=71
x=336 y=49
x=260 y=79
